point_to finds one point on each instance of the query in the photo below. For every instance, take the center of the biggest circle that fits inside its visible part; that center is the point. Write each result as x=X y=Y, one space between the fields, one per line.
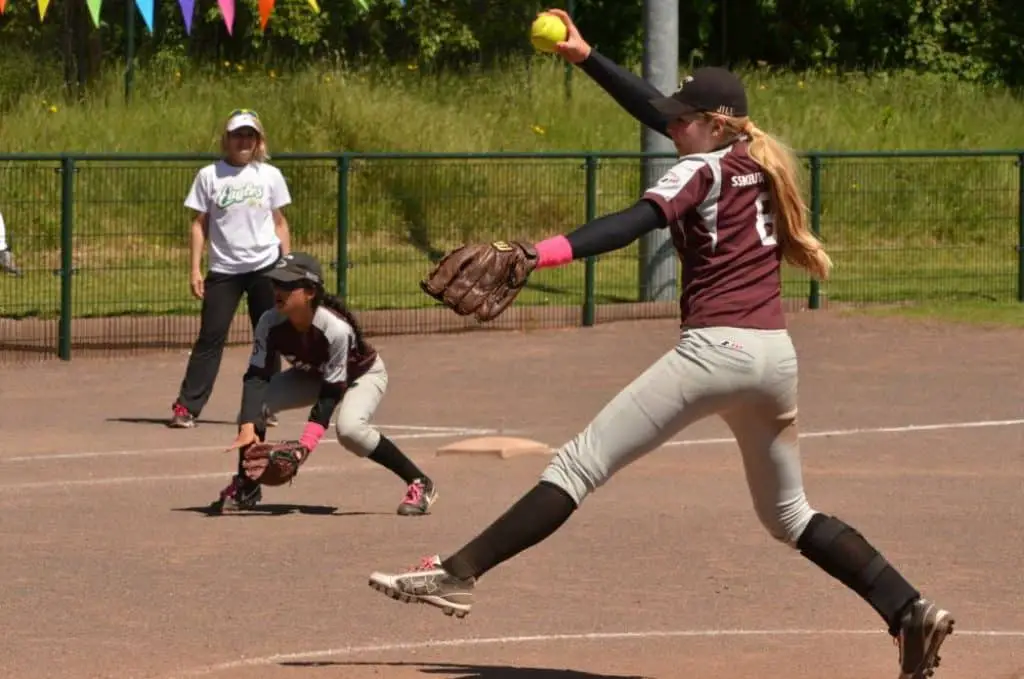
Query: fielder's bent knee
x=357 y=436
x=568 y=470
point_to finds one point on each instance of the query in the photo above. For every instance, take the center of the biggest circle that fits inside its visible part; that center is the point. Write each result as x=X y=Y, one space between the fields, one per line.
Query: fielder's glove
x=481 y=280
x=273 y=463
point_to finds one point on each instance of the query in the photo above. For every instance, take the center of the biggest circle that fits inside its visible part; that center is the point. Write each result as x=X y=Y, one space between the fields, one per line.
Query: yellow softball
x=547 y=30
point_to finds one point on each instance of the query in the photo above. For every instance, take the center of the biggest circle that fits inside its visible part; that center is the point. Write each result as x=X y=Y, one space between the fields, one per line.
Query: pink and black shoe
x=181 y=418
x=418 y=498
x=239 y=495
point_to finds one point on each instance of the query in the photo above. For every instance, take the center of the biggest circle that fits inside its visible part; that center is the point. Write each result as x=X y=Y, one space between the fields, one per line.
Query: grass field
x=899 y=229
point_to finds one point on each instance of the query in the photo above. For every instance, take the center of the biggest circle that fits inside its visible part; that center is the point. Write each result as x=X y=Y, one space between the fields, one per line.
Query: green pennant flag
x=94 y=10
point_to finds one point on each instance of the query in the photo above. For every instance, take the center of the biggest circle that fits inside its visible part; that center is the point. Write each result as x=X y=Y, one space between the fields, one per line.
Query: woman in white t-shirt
x=238 y=202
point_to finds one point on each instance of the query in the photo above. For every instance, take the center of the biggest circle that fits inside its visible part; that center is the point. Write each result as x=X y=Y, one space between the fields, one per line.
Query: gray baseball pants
x=293 y=389
x=747 y=377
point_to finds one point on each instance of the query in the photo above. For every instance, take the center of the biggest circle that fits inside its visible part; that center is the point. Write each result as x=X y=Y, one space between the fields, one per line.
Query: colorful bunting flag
x=94 y=10
x=187 y=10
x=227 y=10
x=146 y=10
x=266 y=7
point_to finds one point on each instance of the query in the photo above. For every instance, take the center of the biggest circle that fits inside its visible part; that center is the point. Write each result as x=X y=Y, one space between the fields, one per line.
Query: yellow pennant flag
x=43 y=5
x=316 y=7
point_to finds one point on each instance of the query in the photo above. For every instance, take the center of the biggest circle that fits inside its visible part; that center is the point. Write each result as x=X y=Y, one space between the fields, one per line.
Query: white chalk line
x=858 y=431
x=552 y=638
x=187 y=477
x=163 y=478
x=431 y=434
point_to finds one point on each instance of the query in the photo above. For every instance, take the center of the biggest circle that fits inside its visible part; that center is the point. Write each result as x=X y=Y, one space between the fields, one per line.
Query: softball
x=547 y=30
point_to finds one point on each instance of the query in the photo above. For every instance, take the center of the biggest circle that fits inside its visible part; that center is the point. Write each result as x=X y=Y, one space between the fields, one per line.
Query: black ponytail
x=335 y=304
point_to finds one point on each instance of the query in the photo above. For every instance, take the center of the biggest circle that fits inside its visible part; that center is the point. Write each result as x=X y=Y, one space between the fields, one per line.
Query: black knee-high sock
x=533 y=518
x=388 y=455
x=843 y=553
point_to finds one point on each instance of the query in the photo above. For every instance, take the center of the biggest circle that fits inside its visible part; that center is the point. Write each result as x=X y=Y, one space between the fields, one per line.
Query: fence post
x=590 y=264
x=344 y=166
x=1020 y=228
x=67 y=207
x=814 y=295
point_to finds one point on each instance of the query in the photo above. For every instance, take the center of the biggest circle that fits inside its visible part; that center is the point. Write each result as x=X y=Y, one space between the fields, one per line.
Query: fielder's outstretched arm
x=629 y=90
x=604 y=234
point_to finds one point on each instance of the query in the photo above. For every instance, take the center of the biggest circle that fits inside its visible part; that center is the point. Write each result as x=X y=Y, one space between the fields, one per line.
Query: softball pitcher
x=333 y=368
x=734 y=209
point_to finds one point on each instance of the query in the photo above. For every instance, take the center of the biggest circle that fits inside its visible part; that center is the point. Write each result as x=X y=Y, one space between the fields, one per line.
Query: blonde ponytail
x=799 y=246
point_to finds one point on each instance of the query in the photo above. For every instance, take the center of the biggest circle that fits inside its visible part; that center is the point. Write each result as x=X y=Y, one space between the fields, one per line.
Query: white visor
x=244 y=120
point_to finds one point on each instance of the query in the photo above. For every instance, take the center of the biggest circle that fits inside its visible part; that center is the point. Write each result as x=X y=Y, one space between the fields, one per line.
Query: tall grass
x=128 y=215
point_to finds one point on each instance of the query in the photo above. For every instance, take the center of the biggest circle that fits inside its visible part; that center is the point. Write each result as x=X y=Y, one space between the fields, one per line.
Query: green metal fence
x=102 y=239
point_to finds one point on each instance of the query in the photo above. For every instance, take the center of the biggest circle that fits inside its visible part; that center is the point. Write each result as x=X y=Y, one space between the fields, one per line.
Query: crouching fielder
x=734 y=211
x=333 y=368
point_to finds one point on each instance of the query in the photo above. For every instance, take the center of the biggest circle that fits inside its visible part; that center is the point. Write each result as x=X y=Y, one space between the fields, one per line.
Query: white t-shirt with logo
x=239 y=202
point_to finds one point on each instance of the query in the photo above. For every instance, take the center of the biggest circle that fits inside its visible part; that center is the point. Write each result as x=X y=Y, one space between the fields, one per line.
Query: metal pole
x=660 y=68
x=570 y=9
x=344 y=168
x=814 y=295
x=67 y=209
x=590 y=265
x=129 y=49
x=1020 y=228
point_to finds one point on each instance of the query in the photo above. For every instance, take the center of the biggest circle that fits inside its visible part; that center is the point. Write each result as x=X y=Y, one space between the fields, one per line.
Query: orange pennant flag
x=3 y=6
x=266 y=7
x=43 y=5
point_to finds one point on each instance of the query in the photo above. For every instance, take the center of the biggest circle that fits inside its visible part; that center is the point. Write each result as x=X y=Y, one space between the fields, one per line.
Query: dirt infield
x=913 y=433
x=31 y=338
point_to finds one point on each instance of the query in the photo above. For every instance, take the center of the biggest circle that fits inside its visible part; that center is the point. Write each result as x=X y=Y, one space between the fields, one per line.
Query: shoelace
x=414 y=494
x=180 y=410
x=427 y=563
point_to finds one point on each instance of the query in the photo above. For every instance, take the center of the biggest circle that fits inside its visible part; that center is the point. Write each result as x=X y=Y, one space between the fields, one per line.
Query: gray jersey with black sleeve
x=329 y=349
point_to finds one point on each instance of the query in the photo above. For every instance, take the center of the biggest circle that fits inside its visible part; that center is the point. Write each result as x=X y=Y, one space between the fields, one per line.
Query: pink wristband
x=554 y=251
x=311 y=435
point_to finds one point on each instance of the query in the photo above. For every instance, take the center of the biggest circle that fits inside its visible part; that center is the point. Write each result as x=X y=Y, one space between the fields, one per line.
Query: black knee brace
x=843 y=553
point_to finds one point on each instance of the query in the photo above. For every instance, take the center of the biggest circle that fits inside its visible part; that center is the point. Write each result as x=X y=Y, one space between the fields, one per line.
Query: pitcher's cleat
x=239 y=495
x=428 y=583
x=923 y=629
x=420 y=495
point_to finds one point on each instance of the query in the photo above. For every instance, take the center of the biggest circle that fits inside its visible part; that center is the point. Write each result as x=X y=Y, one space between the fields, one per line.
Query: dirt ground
x=913 y=432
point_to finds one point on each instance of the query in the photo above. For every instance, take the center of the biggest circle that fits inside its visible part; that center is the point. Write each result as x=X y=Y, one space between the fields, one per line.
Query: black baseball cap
x=295 y=267
x=709 y=89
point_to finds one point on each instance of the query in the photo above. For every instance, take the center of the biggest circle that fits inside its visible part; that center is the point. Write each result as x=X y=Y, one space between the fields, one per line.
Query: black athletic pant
x=223 y=293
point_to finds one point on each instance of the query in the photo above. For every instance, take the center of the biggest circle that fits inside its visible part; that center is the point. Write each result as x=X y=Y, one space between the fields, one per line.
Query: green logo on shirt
x=236 y=195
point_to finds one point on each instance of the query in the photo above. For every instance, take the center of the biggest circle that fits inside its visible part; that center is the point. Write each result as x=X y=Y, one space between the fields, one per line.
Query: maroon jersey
x=718 y=208
x=328 y=349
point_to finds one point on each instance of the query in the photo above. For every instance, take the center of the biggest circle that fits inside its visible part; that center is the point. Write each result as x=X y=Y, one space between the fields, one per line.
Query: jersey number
x=764 y=223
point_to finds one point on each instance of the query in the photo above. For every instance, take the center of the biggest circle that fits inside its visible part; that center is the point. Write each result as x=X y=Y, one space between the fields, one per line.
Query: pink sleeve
x=311 y=435
x=554 y=251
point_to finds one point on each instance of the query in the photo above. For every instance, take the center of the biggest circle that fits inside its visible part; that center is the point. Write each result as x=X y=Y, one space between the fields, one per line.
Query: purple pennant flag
x=187 y=10
x=146 y=10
